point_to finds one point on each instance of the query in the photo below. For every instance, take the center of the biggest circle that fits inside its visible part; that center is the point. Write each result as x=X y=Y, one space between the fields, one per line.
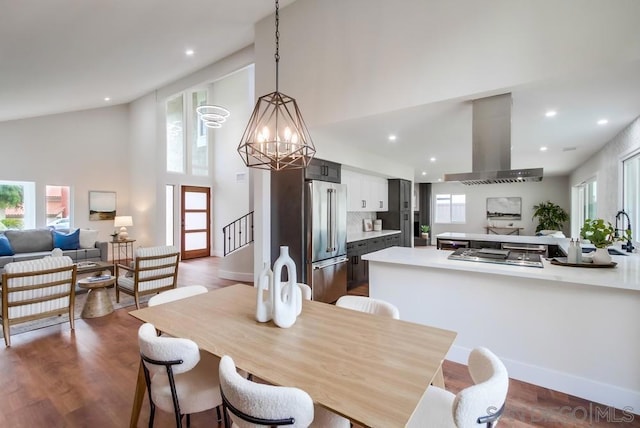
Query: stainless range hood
x=491 y=146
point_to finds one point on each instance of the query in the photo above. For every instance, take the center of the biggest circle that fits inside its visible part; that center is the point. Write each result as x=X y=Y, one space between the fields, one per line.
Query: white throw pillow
x=88 y=238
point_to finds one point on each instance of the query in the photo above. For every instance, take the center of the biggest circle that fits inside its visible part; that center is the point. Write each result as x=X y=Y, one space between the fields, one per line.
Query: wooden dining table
x=370 y=369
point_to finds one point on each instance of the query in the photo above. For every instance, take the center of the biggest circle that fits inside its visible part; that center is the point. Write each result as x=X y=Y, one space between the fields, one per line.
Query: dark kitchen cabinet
x=323 y=170
x=399 y=215
x=358 y=269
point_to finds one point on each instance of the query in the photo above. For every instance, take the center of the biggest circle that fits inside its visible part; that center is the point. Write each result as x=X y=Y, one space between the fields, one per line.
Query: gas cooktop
x=490 y=255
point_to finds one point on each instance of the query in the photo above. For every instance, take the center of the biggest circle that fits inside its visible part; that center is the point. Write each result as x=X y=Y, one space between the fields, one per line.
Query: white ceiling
x=67 y=55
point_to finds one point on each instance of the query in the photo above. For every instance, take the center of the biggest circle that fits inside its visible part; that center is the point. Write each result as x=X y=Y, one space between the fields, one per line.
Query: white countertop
x=353 y=236
x=626 y=275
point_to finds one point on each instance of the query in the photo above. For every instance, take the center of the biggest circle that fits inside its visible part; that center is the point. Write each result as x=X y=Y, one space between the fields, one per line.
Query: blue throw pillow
x=5 y=246
x=66 y=241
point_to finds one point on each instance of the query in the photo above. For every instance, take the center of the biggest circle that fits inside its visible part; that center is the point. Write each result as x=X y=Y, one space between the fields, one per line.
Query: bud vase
x=601 y=256
x=285 y=294
x=264 y=305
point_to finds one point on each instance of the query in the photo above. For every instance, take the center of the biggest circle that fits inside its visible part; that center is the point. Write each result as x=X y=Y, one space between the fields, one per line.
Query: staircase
x=237 y=263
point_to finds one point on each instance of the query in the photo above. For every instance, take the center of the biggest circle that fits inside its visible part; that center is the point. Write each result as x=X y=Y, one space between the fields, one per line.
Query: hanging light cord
x=277 y=55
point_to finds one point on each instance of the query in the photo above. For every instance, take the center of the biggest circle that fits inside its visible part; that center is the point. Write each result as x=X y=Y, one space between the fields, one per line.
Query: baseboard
x=597 y=392
x=236 y=276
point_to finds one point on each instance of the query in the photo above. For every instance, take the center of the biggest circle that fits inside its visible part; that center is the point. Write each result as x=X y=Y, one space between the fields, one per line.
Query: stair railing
x=238 y=233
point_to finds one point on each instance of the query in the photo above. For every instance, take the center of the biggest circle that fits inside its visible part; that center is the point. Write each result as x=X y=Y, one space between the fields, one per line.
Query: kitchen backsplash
x=354 y=220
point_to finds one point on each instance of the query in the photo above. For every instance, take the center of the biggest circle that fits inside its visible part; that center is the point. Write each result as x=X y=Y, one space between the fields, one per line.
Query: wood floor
x=54 y=377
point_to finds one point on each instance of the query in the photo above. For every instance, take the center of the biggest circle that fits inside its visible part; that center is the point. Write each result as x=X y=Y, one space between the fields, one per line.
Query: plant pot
x=424 y=236
x=601 y=256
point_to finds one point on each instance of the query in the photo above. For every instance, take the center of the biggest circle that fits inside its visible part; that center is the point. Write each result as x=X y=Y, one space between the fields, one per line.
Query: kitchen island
x=570 y=329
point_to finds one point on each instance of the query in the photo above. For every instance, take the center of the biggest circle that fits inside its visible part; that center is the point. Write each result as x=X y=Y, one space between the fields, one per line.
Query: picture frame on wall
x=102 y=205
x=504 y=208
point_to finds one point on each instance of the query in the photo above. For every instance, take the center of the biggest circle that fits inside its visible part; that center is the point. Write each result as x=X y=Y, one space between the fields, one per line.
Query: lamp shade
x=123 y=221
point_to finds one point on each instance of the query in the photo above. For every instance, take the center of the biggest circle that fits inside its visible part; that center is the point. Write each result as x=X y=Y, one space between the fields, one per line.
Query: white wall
x=231 y=178
x=554 y=189
x=606 y=166
x=87 y=150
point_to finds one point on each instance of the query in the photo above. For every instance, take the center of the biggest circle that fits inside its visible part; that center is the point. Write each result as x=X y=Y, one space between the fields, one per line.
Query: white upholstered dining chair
x=155 y=269
x=248 y=403
x=369 y=305
x=177 y=379
x=480 y=404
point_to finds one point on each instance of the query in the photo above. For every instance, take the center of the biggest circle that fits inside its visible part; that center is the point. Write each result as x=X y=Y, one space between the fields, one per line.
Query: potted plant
x=424 y=232
x=601 y=234
x=550 y=216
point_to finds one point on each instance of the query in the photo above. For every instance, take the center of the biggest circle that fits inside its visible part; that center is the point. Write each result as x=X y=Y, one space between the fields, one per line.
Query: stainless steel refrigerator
x=326 y=227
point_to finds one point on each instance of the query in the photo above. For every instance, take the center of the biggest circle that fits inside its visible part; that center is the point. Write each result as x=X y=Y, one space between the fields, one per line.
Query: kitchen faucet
x=628 y=246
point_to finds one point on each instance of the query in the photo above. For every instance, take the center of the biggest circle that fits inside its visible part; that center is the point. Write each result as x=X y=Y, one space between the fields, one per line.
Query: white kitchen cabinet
x=365 y=193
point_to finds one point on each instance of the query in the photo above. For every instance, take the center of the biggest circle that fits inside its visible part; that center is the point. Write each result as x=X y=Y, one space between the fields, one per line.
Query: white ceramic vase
x=264 y=305
x=601 y=256
x=287 y=297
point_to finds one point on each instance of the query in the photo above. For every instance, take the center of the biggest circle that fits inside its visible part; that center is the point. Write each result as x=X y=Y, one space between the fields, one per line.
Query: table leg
x=138 y=398
x=438 y=379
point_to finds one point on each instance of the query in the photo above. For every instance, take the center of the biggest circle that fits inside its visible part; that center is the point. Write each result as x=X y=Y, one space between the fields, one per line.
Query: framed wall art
x=504 y=208
x=102 y=205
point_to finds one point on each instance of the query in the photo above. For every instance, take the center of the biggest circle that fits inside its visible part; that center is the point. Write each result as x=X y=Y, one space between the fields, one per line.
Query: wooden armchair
x=35 y=289
x=154 y=269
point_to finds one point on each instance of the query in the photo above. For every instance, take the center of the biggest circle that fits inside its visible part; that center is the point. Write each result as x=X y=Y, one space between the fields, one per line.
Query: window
x=17 y=205
x=187 y=137
x=58 y=205
x=631 y=191
x=587 y=201
x=169 y=214
x=175 y=135
x=450 y=209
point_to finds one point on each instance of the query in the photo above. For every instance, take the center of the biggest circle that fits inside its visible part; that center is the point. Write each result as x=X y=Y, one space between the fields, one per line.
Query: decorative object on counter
x=550 y=216
x=601 y=234
x=424 y=231
x=285 y=298
x=276 y=137
x=377 y=225
x=562 y=261
x=505 y=208
x=574 y=253
x=367 y=224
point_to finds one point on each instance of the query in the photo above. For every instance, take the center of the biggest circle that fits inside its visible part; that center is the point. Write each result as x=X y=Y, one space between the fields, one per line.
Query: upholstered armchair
x=35 y=289
x=154 y=269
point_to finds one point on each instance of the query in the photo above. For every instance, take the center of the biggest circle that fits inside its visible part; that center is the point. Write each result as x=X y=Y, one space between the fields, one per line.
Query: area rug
x=81 y=297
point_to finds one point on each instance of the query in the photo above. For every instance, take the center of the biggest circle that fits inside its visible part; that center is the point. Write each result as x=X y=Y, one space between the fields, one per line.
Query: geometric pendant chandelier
x=276 y=136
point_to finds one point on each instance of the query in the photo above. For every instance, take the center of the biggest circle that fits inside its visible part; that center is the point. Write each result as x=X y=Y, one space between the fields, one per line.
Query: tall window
x=450 y=208
x=587 y=201
x=187 y=140
x=631 y=190
x=17 y=205
x=175 y=135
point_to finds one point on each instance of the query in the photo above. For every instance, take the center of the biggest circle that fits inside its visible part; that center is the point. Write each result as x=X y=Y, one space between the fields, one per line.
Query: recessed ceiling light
x=603 y=122
x=543 y=149
x=424 y=172
x=189 y=52
x=432 y=159
x=551 y=113
x=439 y=179
x=392 y=137
x=107 y=99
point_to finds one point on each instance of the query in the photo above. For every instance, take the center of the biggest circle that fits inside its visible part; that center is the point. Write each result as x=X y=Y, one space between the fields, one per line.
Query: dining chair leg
x=188 y=421
x=218 y=414
x=152 y=414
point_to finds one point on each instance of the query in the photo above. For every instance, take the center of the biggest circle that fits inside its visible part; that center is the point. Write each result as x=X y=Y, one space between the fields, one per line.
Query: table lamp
x=122 y=221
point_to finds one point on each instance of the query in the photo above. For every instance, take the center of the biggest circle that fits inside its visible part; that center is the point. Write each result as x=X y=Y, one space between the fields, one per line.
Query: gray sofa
x=36 y=243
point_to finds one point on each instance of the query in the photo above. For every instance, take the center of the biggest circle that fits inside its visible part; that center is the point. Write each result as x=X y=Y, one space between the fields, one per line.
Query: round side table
x=98 y=302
